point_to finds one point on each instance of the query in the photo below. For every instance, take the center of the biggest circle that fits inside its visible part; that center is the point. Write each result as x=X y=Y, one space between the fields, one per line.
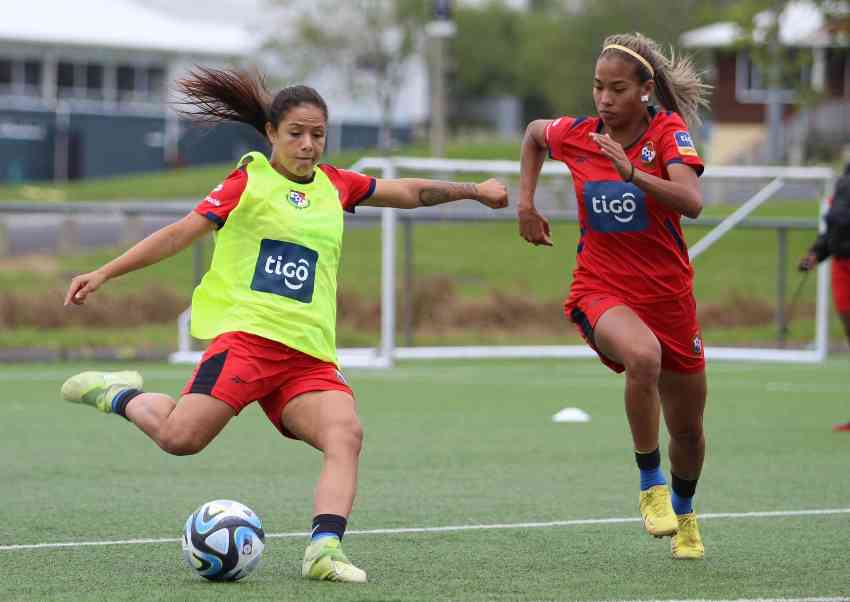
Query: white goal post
x=386 y=352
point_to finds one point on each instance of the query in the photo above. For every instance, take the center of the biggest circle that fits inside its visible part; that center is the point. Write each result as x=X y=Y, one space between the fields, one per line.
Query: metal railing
x=134 y=210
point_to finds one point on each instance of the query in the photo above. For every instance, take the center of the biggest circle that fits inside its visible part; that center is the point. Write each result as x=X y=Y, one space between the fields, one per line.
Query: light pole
x=439 y=30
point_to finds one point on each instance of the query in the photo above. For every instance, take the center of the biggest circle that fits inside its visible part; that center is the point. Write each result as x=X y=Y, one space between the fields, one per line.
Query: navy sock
x=120 y=401
x=650 y=469
x=683 y=495
x=328 y=525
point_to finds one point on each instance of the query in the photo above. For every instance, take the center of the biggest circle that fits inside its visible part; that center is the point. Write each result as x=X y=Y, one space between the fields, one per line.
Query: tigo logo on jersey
x=647 y=153
x=684 y=144
x=615 y=206
x=286 y=269
x=298 y=199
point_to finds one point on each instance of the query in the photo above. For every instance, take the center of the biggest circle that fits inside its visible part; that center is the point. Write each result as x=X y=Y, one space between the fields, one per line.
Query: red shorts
x=841 y=284
x=672 y=321
x=240 y=368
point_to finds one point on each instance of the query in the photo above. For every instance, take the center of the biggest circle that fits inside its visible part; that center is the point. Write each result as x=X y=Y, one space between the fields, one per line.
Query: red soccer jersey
x=353 y=189
x=630 y=243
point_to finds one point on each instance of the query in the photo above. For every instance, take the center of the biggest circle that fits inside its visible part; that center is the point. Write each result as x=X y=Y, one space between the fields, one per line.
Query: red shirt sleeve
x=556 y=133
x=353 y=187
x=676 y=145
x=223 y=199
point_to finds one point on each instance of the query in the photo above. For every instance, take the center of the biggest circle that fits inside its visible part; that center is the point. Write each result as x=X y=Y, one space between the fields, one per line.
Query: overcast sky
x=250 y=11
x=245 y=11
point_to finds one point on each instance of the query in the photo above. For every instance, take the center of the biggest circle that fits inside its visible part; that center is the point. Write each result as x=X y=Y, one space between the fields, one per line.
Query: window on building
x=32 y=76
x=6 y=74
x=20 y=76
x=94 y=81
x=65 y=79
x=126 y=82
x=751 y=80
x=155 y=83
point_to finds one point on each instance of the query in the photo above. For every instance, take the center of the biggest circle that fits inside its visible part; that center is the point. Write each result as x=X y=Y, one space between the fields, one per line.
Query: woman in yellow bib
x=268 y=300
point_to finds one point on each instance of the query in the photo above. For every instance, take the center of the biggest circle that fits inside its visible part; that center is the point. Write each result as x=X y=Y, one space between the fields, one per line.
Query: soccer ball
x=223 y=540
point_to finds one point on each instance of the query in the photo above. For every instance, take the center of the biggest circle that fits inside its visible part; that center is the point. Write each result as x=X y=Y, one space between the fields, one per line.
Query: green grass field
x=479 y=261
x=447 y=445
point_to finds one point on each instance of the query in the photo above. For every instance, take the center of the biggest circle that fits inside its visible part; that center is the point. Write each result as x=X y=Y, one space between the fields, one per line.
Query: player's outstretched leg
x=324 y=560
x=99 y=389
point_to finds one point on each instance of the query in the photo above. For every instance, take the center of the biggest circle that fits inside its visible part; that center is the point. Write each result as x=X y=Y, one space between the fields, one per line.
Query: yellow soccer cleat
x=98 y=388
x=324 y=560
x=657 y=511
x=687 y=543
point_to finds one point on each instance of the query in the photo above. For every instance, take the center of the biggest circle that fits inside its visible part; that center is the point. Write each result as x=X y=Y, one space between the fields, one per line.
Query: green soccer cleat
x=324 y=560
x=99 y=388
x=657 y=512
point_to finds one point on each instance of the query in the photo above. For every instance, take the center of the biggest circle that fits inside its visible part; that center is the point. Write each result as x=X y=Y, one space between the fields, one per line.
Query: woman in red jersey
x=635 y=171
x=835 y=243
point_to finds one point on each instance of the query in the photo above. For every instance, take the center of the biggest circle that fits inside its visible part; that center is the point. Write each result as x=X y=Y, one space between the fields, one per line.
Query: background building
x=85 y=87
x=814 y=93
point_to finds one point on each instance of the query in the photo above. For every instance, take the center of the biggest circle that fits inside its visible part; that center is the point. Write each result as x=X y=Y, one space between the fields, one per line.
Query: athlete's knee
x=689 y=436
x=644 y=362
x=180 y=441
x=344 y=436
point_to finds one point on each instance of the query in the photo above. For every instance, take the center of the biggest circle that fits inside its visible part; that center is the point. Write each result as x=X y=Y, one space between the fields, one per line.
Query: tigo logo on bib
x=615 y=206
x=286 y=269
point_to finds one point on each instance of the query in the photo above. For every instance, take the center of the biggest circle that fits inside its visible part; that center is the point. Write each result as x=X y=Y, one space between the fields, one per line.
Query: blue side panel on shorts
x=578 y=317
x=208 y=373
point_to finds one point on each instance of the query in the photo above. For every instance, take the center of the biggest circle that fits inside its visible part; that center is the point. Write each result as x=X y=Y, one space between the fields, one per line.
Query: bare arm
x=817 y=253
x=163 y=243
x=680 y=193
x=533 y=227
x=410 y=193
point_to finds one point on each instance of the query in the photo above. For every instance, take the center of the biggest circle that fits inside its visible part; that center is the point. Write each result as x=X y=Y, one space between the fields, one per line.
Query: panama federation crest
x=697 y=345
x=298 y=199
x=647 y=153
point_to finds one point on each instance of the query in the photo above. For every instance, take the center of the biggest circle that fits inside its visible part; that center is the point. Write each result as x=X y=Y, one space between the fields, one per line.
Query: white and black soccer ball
x=223 y=540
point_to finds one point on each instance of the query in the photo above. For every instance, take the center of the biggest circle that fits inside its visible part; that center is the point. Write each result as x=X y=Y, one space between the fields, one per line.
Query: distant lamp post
x=438 y=30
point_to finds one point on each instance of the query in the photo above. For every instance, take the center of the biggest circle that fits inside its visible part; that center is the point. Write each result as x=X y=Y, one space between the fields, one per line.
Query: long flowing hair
x=215 y=95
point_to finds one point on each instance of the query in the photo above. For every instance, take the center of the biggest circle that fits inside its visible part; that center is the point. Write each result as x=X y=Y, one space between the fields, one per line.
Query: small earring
x=644 y=98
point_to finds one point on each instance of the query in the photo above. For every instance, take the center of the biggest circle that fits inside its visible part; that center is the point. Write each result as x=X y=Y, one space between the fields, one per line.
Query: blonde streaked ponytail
x=678 y=85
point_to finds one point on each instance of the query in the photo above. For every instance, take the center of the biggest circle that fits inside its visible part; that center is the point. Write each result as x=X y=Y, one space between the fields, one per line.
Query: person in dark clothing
x=835 y=243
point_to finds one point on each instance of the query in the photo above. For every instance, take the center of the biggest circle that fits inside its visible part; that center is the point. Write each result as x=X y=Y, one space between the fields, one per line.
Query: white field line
x=566 y=378
x=446 y=529
x=786 y=387
x=746 y=600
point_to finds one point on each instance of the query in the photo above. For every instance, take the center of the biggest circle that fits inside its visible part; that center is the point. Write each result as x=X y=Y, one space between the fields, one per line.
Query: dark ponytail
x=214 y=95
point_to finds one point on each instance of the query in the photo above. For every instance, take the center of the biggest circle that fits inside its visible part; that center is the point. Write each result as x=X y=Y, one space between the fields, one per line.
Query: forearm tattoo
x=436 y=193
